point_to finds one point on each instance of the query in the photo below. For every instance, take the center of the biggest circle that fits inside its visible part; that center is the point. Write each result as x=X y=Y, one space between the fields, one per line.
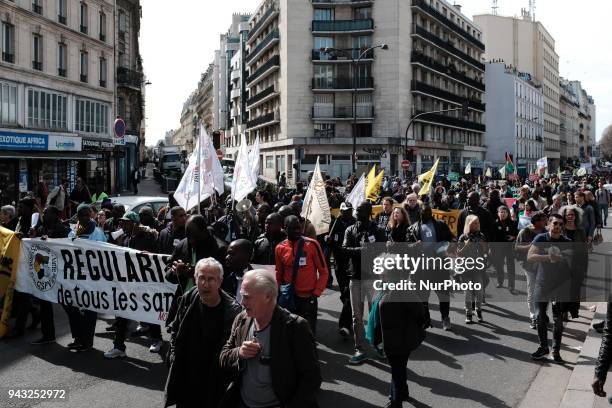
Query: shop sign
x=23 y=141
x=95 y=144
x=65 y=143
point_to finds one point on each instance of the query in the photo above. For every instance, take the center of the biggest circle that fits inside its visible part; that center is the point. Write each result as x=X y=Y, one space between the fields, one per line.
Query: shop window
x=47 y=110
x=8 y=104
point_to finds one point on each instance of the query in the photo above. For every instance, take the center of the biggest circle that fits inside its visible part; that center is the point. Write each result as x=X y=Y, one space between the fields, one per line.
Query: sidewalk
x=147 y=186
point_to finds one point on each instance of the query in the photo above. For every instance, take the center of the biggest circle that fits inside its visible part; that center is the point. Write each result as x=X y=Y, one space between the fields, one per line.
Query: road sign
x=405 y=164
x=119 y=129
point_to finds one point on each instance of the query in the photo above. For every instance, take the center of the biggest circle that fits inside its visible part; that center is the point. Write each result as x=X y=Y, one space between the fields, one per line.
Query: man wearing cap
x=141 y=238
x=335 y=240
x=83 y=322
x=356 y=238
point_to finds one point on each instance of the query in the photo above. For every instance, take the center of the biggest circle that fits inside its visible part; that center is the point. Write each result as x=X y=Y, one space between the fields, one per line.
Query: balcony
x=422 y=87
x=235 y=93
x=61 y=19
x=343 y=83
x=37 y=8
x=83 y=78
x=437 y=118
x=447 y=22
x=342 y=112
x=234 y=112
x=8 y=57
x=335 y=2
x=318 y=55
x=271 y=65
x=61 y=72
x=268 y=41
x=447 y=46
x=343 y=26
x=83 y=29
x=264 y=120
x=37 y=65
x=235 y=75
x=260 y=96
x=129 y=78
x=262 y=22
x=417 y=57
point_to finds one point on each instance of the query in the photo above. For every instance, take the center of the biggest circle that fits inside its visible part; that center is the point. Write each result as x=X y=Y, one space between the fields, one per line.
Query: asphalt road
x=481 y=365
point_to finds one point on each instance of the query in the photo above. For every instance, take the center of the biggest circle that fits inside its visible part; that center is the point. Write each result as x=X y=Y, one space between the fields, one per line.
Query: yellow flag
x=10 y=246
x=426 y=179
x=374 y=186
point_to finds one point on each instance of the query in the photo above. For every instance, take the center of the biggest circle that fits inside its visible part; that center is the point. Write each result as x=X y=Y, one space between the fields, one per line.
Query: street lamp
x=355 y=65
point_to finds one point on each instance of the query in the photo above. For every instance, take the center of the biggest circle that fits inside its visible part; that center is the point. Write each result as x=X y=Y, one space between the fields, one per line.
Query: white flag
x=357 y=195
x=242 y=183
x=204 y=174
x=316 y=207
x=254 y=161
x=542 y=163
x=468 y=168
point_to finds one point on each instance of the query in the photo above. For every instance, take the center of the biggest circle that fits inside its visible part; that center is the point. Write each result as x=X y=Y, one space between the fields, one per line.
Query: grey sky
x=178 y=43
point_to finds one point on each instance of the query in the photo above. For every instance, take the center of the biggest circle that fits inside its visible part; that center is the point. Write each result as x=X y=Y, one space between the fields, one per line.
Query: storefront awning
x=45 y=155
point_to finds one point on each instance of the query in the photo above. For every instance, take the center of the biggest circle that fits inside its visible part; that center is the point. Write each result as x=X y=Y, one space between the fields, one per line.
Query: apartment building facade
x=308 y=97
x=57 y=82
x=528 y=46
x=514 y=117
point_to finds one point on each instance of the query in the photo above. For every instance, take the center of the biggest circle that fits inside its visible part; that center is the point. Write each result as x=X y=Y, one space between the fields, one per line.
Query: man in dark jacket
x=198 y=243
x=430 y=236
x=487 y=226
x=356 y=237
x=147 y=218
x=202 y=326
x=335 y=240
x=263 y=252
x=270 y=351
x=171 y=236
x=236 y=264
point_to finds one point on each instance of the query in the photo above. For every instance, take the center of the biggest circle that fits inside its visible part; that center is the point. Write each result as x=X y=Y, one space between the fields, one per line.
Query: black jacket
x=504 y=230
x=443 y=233
x=486 y=222
x=605 y=350
x=263 y=250
x=356 y=237
x=167 y=237
x=179 y=351
x=296 y=375
x=402 y=323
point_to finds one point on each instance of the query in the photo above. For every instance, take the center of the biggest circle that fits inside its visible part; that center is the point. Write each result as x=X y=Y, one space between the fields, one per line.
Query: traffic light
x=465 y=109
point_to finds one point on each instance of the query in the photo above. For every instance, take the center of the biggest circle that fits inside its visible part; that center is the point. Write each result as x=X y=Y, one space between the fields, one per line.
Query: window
x=323 y=42
x=8 y=42
x=46 y=110
x=269 y=162
x=362 y=13
x=8 y=104
x=323 y=14
x=323 y=106
x=37 y=6
x=91 y=116
x=102 y=24
x=62 y=59
x=103 y=72
x=362 y=41
x=37 y=52
x=84 y=66
x=122 y=25
x=324 y=76
x=61 y=11
x=363 y=130
x=84 y=18
x=280 y=164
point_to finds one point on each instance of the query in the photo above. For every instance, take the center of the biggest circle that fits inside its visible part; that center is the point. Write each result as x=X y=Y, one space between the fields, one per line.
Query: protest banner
x=450 y=218
x=96 y=276
x=9 y=256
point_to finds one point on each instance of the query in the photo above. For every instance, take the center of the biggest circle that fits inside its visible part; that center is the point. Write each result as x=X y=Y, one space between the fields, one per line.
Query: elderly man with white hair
x=202 y=326
x=8 y=217
x=271 y=351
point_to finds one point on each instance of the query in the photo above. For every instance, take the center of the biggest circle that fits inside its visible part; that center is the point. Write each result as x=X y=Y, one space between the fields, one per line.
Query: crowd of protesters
x=236 y=324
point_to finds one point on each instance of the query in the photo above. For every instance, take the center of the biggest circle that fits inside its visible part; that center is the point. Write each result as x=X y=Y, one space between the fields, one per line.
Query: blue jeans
x=398 y=390
x=603 y=210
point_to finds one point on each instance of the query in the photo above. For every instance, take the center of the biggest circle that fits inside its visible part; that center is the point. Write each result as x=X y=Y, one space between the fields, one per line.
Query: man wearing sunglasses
x=553 y=275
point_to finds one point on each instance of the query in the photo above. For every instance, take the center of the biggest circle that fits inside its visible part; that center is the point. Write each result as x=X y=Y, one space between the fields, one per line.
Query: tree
x=605 y=144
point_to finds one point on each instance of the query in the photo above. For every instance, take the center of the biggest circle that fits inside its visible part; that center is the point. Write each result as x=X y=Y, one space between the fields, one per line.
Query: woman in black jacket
x=506 y=231
x=403 y=320
x=398 y=225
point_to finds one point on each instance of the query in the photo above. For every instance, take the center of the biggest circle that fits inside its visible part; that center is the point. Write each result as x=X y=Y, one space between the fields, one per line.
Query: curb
x=579 y=392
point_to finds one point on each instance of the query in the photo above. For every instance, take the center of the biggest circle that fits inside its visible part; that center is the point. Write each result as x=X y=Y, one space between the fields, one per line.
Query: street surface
x=482 y=365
